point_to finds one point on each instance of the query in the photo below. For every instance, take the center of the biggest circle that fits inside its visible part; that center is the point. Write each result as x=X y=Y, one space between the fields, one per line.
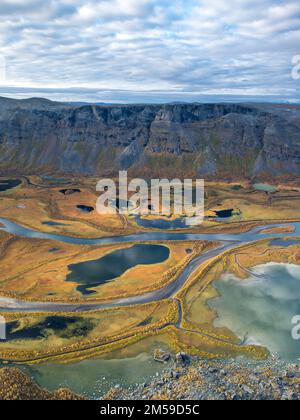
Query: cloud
x=171 y=49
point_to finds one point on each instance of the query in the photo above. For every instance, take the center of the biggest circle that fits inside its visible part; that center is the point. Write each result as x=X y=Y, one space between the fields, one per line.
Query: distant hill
x=209 y=140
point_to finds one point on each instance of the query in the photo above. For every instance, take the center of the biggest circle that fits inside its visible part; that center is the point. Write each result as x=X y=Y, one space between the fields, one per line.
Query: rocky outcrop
x=209 y=140
x=227 y=380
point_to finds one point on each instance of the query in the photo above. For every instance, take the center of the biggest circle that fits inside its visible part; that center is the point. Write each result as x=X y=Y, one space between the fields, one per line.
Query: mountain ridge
x=209 y=140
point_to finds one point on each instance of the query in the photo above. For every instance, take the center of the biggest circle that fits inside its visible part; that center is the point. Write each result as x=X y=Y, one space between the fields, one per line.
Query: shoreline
x=199 y=379
x=183 y=378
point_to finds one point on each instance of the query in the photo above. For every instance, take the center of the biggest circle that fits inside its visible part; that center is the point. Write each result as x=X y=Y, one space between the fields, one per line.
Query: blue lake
x=92 y=274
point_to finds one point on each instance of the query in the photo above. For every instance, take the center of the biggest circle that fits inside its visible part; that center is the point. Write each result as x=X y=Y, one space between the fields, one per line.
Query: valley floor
x=50 y=271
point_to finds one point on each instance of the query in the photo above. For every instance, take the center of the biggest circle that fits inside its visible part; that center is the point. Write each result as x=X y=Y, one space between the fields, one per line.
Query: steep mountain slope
x=211 y=140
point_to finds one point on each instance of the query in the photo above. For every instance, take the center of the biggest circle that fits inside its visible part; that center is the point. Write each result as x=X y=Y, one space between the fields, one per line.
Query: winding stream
x=250 y=236
x=227 y=242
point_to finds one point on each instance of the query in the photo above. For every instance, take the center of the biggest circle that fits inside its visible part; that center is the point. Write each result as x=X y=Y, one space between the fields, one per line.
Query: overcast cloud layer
x=150 y=50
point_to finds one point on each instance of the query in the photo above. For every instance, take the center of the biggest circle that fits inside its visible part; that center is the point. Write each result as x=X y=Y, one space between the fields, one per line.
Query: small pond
x=264 y=187
x=224 y=214
x=9 y=184
x=85 y=209
x=51 y=223
x=70 y=191
x=164 y=224
x=237 y=187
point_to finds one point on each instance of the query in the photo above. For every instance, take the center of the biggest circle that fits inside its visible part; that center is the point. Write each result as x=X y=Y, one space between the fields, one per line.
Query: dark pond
x=164 y=224
x=224 y=214
x=85 y=209
x=94 y=273
x=70 y=191
x=237 y=187
x=146 y=322
x=8 y=184
x=53 y=250
x=284 y=243
x=49 y=223
x=62 y=326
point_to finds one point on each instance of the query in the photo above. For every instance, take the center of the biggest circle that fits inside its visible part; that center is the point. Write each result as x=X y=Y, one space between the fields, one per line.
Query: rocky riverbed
x=191 y=379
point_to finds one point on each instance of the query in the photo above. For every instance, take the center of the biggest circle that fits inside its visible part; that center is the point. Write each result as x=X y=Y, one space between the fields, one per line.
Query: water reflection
x=262 y=307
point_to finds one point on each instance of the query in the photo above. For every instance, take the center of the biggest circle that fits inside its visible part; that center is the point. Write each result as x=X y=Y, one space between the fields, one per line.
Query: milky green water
x=94 y=378
x=262 y=307
x=264 y=187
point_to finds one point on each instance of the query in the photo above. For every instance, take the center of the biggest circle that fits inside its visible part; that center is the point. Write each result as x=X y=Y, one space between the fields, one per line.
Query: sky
x=150 y=51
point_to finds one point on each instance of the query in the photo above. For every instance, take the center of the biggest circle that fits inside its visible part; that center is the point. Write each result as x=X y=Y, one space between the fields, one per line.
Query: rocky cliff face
x=39 y=136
